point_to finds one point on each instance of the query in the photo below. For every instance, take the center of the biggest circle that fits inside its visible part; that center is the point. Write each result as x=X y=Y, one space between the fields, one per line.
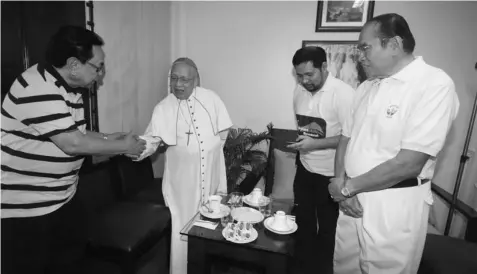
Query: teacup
x=280 y=221
x=256 y=195
x=214 y=203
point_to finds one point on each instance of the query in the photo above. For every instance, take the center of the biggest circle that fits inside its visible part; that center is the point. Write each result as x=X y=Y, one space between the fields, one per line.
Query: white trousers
x=389 y=238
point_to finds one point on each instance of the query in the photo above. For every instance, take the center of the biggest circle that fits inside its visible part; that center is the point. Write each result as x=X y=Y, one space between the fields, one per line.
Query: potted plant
x=243 y=159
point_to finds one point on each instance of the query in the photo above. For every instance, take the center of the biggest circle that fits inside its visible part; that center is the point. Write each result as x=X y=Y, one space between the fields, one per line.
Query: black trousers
x=314 y=250
x=52 y=243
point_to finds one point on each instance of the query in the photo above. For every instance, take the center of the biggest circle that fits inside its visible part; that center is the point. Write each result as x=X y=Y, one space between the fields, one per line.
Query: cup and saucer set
x=256 y=198
x=213 y=209
x=241 y=229
x=280 y=223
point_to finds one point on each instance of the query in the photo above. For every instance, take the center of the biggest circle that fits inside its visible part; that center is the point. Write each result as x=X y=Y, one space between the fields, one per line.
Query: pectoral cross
x=188 y=136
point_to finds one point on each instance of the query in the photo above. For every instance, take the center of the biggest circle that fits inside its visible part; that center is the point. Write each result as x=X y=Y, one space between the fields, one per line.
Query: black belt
x=409 y=183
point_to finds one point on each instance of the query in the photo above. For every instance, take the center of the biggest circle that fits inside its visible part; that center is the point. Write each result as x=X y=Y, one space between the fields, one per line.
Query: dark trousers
x=52 y=243
x=314 y=250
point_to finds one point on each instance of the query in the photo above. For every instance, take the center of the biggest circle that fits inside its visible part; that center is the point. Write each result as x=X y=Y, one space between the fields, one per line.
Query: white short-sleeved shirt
x=332 y=105
x=413 y=109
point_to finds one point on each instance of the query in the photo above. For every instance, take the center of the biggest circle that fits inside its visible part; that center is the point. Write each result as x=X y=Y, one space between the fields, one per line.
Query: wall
x=138 y=51
x=244 y=52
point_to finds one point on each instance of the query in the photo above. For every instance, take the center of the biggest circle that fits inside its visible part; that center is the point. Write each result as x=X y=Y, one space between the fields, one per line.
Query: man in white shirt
x=193 y=123
x=321 y=103
x=387 y=153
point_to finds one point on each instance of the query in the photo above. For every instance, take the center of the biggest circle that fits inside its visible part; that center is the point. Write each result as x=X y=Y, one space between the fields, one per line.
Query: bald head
x=185 y=60
x=184 y=78
x=386 y=44
x=391 y=25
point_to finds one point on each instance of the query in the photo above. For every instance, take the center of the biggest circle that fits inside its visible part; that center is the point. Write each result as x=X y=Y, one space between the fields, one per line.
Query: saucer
x=224 y=211
x=247 y=214
x=253 y=237
x=248 y=200
x=291 y=224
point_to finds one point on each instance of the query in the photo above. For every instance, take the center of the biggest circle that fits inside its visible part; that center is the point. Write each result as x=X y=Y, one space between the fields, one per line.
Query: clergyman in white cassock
x=193 y=122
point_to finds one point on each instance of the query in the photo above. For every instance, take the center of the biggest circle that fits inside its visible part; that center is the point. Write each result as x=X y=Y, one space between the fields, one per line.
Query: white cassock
x=194 y=163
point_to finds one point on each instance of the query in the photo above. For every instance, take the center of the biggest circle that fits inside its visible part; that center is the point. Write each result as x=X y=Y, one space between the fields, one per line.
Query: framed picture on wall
x=343 y=16
x=342 y=60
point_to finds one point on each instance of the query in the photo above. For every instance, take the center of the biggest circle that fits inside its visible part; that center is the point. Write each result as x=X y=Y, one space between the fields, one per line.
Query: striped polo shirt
x=37 y=176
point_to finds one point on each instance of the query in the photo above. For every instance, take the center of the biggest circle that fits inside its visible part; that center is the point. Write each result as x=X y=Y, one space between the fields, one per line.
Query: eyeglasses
x=185 y=81
x=99 y=70
x=366 y=48
x=363 y=48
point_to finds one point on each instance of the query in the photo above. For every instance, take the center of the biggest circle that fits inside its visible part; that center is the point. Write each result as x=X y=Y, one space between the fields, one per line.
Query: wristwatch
x=345 y=192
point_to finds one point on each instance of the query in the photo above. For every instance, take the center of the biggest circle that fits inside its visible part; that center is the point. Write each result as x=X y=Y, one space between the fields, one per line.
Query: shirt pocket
x=389 y=125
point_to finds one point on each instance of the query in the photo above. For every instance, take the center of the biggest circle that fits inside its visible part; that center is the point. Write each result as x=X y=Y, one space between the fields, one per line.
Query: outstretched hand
x=135 y=145
x=117 y=135
x=133 y=157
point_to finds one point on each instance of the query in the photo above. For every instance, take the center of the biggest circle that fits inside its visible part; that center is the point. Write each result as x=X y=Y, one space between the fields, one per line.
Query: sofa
x=124 y=233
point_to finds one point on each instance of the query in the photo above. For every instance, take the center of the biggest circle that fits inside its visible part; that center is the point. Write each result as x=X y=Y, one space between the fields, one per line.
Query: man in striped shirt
x=43 y=144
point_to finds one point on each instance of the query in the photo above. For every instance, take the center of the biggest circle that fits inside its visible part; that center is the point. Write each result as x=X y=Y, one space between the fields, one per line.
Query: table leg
x=197 y=261
x=276 y=265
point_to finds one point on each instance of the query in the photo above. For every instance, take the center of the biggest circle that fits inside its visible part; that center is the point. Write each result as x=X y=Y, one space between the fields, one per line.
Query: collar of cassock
x=199 y=103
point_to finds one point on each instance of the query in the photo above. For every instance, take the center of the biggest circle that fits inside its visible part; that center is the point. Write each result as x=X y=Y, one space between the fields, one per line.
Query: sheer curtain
x=137 y=38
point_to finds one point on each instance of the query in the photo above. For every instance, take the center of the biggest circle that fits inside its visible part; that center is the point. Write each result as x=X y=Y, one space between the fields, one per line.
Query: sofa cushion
x=96 y=188
x=132 y=176
x=129 y=227
x=150 y=194
x=285 y=170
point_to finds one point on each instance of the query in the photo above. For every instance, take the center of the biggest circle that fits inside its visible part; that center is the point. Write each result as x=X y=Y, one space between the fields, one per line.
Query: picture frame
x=343 y=16
x=342 y=60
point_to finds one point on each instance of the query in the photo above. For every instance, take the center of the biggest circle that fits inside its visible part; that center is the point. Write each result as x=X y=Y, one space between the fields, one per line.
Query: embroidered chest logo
x=392 y=109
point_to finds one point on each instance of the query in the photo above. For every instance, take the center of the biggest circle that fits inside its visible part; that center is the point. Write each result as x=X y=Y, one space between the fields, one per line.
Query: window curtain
x=137 y=46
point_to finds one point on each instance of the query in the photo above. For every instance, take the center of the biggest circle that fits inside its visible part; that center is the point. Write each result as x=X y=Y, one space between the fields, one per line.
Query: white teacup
x=256 y=195
x=214 y=203
x=280 y=221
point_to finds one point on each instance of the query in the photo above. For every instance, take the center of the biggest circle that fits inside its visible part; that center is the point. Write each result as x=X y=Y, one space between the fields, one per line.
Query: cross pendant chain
x=188 y=136
x=189 y=132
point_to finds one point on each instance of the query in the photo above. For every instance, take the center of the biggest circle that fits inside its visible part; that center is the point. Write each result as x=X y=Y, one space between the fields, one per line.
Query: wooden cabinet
x=26 y=29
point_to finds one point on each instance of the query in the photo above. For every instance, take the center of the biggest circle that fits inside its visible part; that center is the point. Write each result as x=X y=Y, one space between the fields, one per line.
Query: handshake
x=133 y=145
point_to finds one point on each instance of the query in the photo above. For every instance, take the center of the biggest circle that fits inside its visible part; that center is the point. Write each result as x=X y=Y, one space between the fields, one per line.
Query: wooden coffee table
x=270 y=251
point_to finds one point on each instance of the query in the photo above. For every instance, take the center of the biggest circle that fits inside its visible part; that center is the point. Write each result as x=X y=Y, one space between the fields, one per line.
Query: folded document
x=206 y=224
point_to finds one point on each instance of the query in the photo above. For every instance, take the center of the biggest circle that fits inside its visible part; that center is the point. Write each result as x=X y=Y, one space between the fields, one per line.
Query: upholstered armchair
x=132 y=234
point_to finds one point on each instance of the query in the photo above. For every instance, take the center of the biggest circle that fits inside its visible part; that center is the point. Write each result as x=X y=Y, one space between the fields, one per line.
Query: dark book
x=282 y=138
x=311 y=126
